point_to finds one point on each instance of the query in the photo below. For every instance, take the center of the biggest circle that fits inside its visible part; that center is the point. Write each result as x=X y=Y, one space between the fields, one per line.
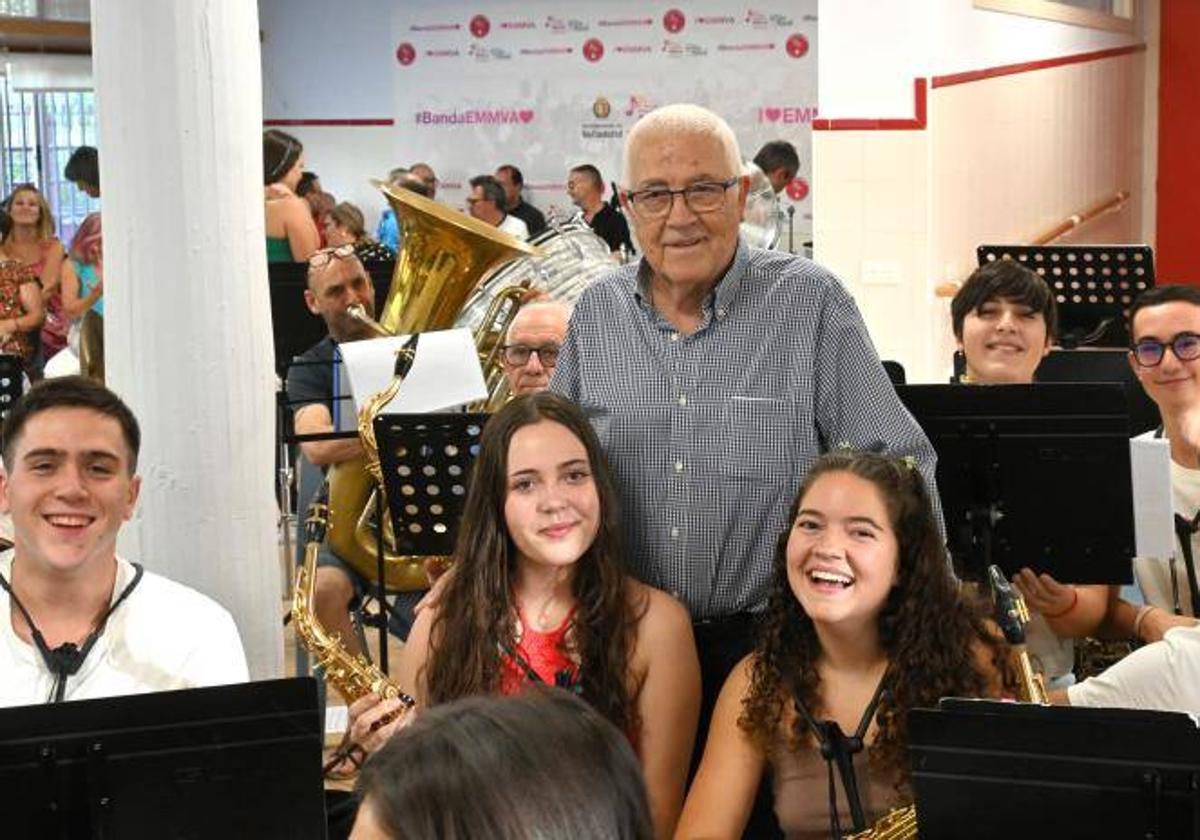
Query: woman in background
x=83 y=295
x=291 y=234
x=346 y=226
x=31 y=241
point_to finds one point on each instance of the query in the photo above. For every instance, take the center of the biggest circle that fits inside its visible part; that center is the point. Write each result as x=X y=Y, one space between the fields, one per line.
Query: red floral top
x=13 y=275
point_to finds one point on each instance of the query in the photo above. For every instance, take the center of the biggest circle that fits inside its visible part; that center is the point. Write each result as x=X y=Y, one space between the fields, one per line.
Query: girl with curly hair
x=538 y=594
x=864 y=621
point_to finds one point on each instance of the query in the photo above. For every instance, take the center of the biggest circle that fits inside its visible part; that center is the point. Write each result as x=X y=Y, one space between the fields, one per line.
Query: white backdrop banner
x=546 y=86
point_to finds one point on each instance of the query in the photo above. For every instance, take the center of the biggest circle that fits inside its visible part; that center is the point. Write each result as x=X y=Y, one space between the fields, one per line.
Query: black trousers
x=721 y=643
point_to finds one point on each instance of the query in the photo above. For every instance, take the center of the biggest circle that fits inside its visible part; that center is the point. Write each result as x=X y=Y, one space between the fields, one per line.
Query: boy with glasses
x=1164 y=325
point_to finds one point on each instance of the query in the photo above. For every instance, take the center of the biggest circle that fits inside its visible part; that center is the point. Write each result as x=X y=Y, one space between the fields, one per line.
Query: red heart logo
x=797 y=189
x=406 y=54
x=593 y=49
x=797 y=46
x=773 y=114
x=526 y=115
x=674 y=20
x=480 y=26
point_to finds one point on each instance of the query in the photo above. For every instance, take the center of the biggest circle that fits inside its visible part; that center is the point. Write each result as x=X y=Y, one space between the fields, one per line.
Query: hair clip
x=910 y=461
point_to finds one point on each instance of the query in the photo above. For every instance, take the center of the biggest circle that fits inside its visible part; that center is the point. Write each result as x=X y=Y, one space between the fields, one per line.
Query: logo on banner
x=639 y=105
x=675 y=49
x=406 y=54
x=593 y=49
x=787 y=115
x=797 y=189
x=673 y=21
x=761 y=20
x=797 y=45
x=601 y=110
x=626 y=22
x=559 y=25
x=477 y=116
x=482 y=53
x=480 y=26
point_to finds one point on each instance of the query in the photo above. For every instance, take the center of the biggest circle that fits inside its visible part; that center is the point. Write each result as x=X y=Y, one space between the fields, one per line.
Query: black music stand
x=1102 y=364
x=1093 y=285
x=231 y=761
x=990 y=770
x=426 y=461
x=1032 y=475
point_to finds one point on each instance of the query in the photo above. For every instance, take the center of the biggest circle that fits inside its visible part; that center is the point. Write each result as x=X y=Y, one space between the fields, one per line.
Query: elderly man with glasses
x=717 y=373
x=532 y=343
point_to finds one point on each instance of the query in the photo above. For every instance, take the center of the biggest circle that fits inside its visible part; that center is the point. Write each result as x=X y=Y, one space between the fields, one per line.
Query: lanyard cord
x=66 y=659
x=1184 y=529
x=835 y=746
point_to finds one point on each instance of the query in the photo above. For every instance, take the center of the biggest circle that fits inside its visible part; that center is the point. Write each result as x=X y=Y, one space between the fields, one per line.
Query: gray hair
x=681 y=118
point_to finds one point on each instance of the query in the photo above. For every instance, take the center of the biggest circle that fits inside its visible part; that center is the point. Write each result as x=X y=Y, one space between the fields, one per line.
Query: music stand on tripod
x=1093 y=285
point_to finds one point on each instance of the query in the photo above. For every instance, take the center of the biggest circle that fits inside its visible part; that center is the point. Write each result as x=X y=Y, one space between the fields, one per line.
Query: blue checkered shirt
x=710 y=434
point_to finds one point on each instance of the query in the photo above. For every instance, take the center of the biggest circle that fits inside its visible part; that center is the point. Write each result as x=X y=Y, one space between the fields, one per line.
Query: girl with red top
x=538 y=594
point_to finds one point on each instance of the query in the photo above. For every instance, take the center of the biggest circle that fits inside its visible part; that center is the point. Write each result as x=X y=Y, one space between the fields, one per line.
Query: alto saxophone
x=352 y=675
x=1012 y=615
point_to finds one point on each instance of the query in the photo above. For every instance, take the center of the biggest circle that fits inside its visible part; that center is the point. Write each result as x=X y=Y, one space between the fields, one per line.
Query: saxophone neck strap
x=839 y=749
x=65 y=660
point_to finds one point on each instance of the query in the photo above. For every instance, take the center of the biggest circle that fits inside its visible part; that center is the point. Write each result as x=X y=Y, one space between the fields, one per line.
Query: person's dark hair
x=280 y=153
x=5 y=223
x=517 y=178
x=591 y=172
x=1004 y=279
x=540 y=764
x=84 y=165
x=1157 y=296
x=69 y=392
x=932 y=635
x=476 y=614
x=308 y=182
x=776 y=154
x=492 y=191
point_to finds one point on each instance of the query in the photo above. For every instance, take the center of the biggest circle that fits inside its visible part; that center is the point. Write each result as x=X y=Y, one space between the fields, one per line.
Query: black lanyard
x=66 y=659
x=839 y=749
x=1184 y=529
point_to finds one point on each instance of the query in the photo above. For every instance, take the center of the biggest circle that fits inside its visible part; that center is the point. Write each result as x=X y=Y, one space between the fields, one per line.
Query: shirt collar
x=725 y=291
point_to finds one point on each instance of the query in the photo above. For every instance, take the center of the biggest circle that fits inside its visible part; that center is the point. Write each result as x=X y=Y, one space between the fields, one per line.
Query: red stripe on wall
x=341 y=123
x=917 y=123
x=1029 y=66
x=1176 y=258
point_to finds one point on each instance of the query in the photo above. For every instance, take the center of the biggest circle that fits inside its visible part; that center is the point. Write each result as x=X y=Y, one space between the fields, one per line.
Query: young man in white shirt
x=76 y=621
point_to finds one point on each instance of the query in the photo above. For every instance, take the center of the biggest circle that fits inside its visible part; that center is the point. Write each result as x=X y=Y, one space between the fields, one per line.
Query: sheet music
x=445 y=373
x=1153 y=511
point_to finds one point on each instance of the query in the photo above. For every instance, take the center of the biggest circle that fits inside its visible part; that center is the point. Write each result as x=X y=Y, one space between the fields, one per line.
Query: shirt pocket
x=759 y=442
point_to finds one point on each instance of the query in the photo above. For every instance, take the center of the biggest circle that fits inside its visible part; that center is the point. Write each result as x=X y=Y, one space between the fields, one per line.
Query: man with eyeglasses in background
x=715 y=374
x=1164 y=326
x=532 y=343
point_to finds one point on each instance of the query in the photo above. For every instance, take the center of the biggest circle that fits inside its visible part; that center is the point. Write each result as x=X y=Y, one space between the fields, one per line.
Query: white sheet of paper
x=444 y=374
x=1153 y=511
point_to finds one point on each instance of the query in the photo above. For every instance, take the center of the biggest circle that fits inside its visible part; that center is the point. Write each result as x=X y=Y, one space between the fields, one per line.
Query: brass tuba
x=443 y=257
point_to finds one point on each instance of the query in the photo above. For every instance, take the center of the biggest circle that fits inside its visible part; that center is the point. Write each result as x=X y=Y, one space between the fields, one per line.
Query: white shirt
x=164 y=636
x=1154 y=574
x=514 y=226
x=1164 y=676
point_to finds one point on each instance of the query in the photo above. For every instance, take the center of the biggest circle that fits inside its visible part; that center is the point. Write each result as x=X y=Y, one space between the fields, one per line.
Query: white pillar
x=187 y=318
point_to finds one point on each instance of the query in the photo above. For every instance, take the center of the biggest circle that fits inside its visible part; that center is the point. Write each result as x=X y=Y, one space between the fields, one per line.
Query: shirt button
x=720 y=313
x=674 y=336
x=679 y=466
x=683 y=399
x=674 y=533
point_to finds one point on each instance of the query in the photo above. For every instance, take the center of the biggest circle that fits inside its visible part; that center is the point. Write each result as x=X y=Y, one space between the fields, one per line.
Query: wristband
x=1074 y=602
x=1137 y=622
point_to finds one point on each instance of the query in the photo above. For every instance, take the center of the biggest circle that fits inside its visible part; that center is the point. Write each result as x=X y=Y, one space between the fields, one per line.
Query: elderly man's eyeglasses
x=1149 y=352
x=323 y=257
x=703 y=197
x=517 y=355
